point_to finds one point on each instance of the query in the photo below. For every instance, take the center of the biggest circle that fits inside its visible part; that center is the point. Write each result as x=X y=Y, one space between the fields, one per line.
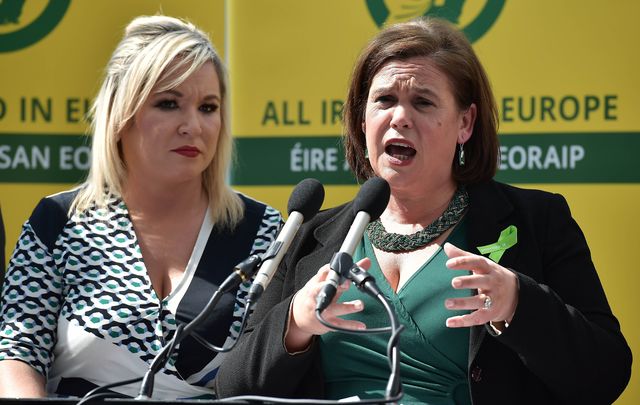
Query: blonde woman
x=103 y=274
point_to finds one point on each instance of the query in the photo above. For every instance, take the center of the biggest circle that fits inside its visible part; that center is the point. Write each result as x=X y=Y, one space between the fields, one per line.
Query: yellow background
x=290 y=50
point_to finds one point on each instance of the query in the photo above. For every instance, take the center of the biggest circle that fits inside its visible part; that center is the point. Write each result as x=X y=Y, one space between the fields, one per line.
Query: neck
x=418 y=210
x=399 y=240
x=149 y=200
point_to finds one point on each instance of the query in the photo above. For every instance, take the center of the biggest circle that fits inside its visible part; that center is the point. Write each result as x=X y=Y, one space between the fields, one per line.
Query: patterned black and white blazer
x=78 y=305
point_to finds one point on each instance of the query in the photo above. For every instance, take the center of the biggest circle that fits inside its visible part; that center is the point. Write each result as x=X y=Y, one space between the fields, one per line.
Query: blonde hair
x=153 y=51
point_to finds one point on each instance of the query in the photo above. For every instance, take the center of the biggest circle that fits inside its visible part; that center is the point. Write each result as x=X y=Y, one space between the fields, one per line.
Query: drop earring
x=461 y=155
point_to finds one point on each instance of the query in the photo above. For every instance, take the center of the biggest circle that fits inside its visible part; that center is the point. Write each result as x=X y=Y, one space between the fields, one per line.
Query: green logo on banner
x=385 y=12
x=27 y=35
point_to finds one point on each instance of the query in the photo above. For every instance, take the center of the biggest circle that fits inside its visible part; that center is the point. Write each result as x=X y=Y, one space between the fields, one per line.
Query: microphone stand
x=342 y=263
x=365 y=282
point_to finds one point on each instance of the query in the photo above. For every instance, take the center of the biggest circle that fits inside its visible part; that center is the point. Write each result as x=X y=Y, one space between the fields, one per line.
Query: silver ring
x=487 y=302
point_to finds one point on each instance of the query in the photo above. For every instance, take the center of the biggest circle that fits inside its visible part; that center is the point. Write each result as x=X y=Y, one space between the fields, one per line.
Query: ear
x=467 y=122
x=364 y=127
x=125 y=128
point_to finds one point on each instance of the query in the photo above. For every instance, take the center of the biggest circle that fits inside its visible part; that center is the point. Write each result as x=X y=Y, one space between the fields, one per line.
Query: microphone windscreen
x=372 y=198
x=306 y=198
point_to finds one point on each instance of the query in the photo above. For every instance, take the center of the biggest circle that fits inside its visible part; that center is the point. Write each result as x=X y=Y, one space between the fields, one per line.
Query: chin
x=397 y=179
x=186 y=177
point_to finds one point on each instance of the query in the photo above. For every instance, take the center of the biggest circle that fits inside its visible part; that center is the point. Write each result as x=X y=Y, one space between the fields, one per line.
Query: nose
x=401 y=118
x=190 y=124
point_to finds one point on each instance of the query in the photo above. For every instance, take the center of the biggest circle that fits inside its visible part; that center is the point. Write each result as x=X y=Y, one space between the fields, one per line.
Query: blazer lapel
x=489 y=213
x=329 y=236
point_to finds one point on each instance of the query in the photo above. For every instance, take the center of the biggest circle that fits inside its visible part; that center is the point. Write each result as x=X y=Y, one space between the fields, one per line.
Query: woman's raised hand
x=497 y=287
x=303 y=323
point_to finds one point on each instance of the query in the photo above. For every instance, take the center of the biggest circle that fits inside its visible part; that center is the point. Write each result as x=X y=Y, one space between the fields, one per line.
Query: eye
x=167 y=104
x=385 y=99
x=209 y=108
x=423 y=102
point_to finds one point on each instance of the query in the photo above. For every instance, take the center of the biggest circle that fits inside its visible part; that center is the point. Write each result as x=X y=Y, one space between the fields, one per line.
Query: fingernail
x=357 y=304
x=448 y=303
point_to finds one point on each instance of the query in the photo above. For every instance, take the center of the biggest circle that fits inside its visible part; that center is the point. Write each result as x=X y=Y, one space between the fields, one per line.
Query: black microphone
x=304 y=203
x=369 y=204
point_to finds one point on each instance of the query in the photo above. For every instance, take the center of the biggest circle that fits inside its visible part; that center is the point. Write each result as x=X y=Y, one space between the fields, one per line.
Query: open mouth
x=400 y=151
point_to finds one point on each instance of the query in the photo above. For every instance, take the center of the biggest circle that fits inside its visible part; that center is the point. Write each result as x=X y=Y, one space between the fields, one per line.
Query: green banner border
x=604 y=157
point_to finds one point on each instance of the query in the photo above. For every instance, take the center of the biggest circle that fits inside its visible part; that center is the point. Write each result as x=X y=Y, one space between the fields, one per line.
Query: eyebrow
x=208 y=97
x=421 y=90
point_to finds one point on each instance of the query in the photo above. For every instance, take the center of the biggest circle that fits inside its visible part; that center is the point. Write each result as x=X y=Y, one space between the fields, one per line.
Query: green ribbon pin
x=508 y=237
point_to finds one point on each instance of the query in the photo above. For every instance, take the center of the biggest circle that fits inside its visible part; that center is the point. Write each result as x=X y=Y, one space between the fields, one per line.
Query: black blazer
x=563 y=345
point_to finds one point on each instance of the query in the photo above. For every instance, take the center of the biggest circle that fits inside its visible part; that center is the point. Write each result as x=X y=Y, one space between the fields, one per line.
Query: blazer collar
x=336 y=225
x=333 y=228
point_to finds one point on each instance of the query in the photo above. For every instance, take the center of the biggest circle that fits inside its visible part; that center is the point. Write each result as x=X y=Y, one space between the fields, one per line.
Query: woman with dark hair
x=529 y=324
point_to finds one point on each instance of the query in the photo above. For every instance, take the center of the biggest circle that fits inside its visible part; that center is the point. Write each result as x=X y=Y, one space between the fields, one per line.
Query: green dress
x=434 y=358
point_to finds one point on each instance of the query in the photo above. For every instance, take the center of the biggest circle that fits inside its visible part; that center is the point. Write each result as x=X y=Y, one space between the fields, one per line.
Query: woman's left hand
x=497 y=287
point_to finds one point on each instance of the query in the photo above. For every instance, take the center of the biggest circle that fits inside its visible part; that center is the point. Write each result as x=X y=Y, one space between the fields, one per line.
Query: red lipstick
x=187 y=150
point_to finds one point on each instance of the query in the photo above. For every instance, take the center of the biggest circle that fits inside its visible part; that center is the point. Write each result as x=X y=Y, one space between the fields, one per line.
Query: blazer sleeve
x=563 y=329
x=32 y=294
x=260 y=364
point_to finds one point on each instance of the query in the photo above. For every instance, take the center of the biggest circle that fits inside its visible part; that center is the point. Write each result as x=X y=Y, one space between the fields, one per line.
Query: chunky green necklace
x=395 y=242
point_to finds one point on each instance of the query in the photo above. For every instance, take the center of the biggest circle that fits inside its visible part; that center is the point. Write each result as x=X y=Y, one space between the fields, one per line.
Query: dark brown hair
x=452 y=53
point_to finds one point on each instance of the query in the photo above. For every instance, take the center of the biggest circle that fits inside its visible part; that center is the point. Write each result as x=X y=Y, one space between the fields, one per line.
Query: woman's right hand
x=303 y=323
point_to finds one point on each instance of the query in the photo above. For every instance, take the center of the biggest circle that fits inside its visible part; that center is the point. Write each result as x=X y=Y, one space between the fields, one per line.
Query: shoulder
x=318 y=238
x=536 y=200
x=329 y=223
x=255 y=208
x=334 y=215
x=524 y=193
x=50 y=216
x=494 y=192
x=258 y=218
